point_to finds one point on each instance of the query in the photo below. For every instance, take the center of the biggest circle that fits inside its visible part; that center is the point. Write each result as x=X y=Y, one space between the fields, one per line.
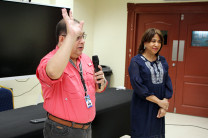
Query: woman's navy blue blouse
x=148 y=78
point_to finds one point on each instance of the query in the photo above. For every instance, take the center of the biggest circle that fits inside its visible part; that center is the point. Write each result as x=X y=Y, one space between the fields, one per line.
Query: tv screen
x=27 y=33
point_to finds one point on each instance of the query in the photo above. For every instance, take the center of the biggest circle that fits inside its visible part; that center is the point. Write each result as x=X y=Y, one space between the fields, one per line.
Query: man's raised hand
x=74 y=29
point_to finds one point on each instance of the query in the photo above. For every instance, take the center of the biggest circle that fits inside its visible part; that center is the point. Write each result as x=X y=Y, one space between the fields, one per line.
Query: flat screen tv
x=27 y=33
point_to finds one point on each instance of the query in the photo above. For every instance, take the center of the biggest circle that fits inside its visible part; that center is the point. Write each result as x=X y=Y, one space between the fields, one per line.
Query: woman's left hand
x=161 y=113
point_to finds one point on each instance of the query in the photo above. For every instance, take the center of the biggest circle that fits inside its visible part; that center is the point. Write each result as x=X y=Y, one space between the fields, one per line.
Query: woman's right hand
x=161 y=113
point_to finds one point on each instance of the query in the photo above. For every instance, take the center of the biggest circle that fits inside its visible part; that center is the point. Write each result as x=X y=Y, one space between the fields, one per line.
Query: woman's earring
x=144 y=47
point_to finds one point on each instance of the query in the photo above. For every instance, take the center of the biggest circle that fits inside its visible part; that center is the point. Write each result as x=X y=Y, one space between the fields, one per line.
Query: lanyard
x=81 y=75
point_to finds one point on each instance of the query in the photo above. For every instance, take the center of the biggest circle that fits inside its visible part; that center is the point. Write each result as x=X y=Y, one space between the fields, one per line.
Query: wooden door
x=192 y=68
x=167 y=23
x=186 y=56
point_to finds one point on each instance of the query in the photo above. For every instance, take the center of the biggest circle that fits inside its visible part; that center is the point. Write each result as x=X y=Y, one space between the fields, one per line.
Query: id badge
x=88 y=101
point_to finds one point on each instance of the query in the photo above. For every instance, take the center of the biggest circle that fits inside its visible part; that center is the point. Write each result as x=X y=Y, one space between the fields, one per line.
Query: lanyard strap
x=81 y=74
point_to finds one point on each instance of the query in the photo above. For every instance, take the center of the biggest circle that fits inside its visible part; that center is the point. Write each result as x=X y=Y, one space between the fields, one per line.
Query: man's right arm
x=56 y=65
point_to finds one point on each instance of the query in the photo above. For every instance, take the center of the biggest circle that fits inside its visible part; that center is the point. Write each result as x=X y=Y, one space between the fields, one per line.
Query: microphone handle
x=97 y=69
x=99 y=85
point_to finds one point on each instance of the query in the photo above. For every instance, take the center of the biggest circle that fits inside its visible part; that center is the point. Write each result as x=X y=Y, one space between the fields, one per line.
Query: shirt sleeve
x=168 y=83
x=168 y=88
x=42 y=75
x=136 y=81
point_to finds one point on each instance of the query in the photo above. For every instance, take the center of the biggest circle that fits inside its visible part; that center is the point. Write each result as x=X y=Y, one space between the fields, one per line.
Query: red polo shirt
x=64 y=98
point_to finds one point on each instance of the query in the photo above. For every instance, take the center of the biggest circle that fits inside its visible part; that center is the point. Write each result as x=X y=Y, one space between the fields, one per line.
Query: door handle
x=174 y=50
x=173 y=64
x=181 y=50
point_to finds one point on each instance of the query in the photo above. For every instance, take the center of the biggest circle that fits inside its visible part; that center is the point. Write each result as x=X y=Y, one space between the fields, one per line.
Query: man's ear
x=60 y=39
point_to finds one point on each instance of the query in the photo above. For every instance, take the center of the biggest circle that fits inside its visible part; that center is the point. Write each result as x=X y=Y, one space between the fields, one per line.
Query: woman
x=152 y=87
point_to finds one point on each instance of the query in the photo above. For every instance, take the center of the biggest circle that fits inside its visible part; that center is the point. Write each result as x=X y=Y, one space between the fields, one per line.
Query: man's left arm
x=100 y=80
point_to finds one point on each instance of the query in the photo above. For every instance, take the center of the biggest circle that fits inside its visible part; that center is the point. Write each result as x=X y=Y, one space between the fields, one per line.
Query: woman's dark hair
x=147 y=37
x=61 y=28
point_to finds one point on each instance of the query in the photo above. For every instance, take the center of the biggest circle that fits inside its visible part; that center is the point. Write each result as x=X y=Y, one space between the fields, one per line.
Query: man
x=69 y=83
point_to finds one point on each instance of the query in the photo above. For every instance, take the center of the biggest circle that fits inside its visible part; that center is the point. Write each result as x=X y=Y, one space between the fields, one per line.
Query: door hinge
x=182 y=17
x=174 y=110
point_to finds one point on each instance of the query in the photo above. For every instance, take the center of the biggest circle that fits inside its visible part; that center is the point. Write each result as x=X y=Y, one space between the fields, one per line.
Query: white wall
x=26 y=90
x=110 y=37
x=85 y=10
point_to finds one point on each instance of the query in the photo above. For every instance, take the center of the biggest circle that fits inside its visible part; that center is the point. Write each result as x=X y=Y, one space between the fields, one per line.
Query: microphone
x=95 y=61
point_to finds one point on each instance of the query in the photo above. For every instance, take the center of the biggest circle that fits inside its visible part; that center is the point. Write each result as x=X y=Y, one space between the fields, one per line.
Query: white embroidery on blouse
x=156 y=71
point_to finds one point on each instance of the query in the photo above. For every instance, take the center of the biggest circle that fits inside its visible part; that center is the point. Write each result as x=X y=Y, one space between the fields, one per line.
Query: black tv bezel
x=28 y=71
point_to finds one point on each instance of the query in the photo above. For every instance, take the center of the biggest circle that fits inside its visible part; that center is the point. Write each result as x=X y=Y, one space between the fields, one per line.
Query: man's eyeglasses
x=84 y=36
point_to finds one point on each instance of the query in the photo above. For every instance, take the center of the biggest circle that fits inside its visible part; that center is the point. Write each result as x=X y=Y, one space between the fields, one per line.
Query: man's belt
x=68 y=123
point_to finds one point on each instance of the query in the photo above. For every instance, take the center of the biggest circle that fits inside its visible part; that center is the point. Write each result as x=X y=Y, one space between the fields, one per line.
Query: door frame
x=133 y=14
x=135 y=9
